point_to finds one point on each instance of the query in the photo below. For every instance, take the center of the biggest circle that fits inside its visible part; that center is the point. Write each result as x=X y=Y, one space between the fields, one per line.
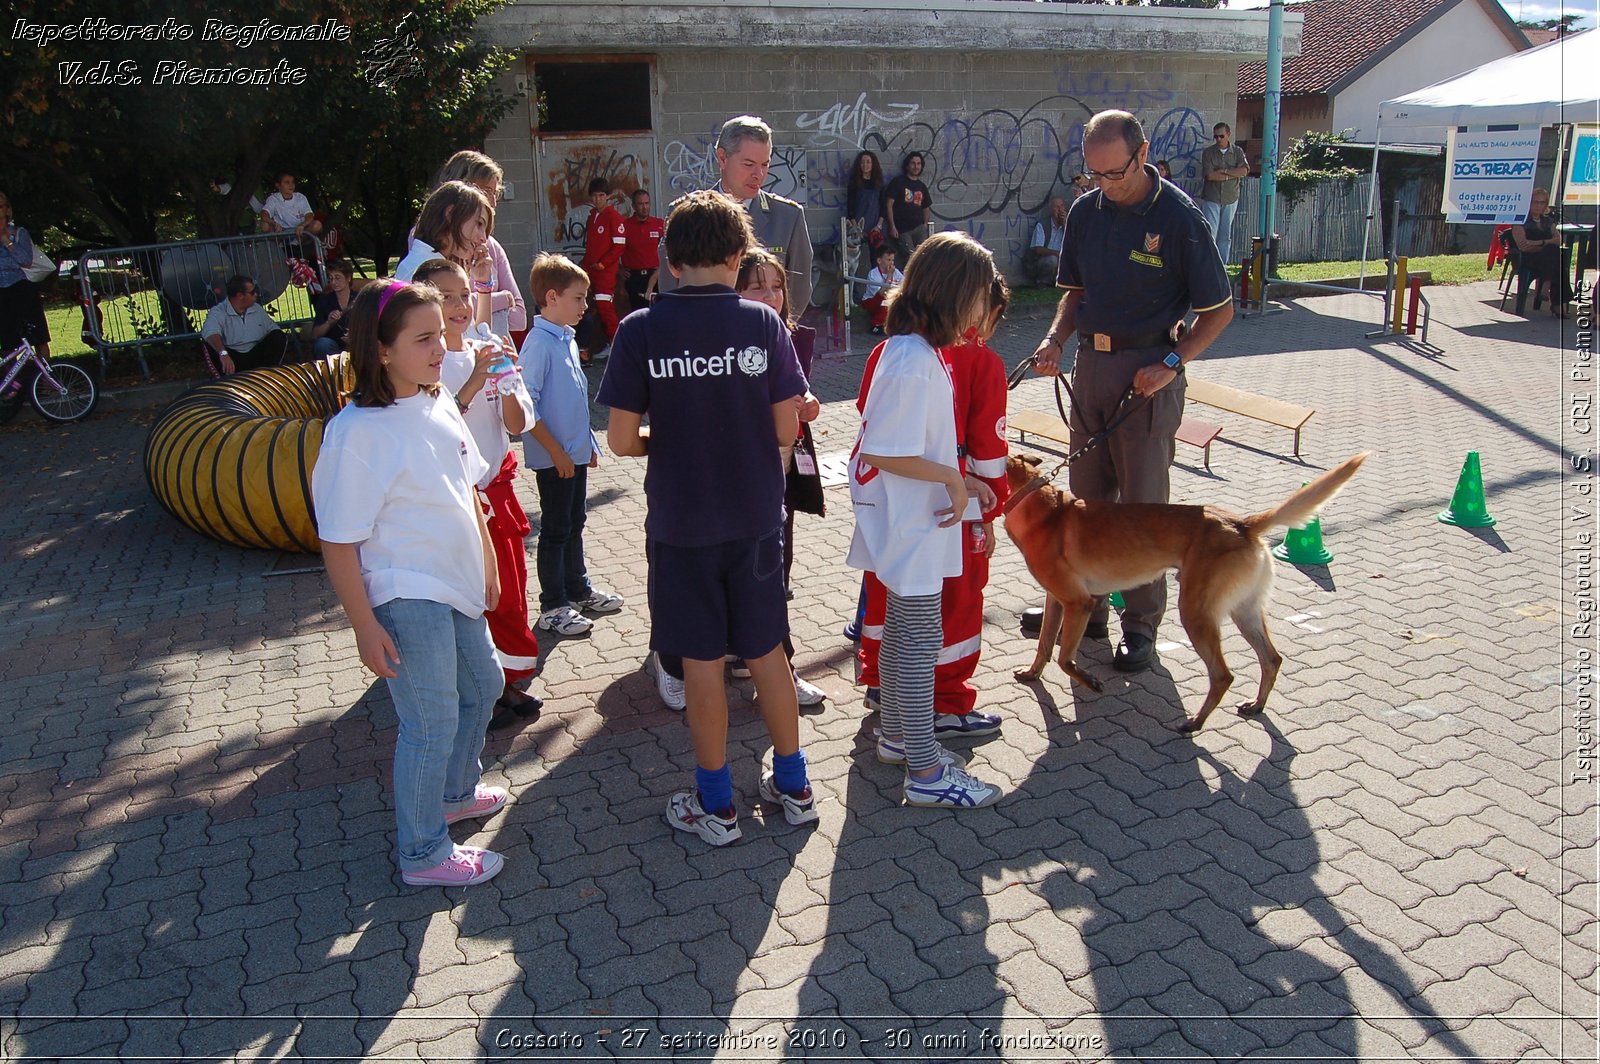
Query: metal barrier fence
x=141 y=296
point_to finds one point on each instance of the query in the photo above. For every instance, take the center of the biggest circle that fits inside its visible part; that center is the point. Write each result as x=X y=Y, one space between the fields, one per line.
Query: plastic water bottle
x=978 y=541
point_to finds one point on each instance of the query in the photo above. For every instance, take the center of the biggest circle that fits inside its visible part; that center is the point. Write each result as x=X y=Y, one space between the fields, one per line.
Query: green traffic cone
x=1116 y=601
x=1467 y=506
x=1303 y=546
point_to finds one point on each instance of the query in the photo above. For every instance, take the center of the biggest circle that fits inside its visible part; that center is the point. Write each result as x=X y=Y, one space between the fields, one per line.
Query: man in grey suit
x=744 y=154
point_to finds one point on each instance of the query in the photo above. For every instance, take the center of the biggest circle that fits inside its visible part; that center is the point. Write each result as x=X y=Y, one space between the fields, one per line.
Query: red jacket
x=643 y=249
x=603 y=244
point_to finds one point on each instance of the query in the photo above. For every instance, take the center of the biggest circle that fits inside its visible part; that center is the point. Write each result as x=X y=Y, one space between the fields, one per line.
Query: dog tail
x=1300 y=507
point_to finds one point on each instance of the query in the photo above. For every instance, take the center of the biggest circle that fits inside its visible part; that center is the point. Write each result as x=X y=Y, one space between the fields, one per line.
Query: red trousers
x=604 y=287
x=961 y=607
x=873 y=305
x=514 y=642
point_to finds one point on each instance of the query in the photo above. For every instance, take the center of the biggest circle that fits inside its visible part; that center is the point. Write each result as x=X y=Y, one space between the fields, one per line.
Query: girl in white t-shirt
x=409 y=556
x=482 y=375
x=910 y=498
x=455 y=224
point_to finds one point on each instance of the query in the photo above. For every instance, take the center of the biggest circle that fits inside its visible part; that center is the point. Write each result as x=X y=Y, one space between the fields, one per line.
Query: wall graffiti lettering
x=1179 y=136
x=690 y=167
x=570 y=165
x=850 y=123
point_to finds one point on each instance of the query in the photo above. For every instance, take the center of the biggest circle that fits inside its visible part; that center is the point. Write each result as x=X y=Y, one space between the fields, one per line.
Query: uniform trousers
x=1133 y=463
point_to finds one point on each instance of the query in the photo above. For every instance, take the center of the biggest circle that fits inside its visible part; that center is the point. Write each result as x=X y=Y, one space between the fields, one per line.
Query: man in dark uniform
x=1136 y=259
x=744 y=154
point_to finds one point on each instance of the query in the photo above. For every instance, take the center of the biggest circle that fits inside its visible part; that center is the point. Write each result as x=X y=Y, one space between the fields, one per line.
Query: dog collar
x=1016 y=497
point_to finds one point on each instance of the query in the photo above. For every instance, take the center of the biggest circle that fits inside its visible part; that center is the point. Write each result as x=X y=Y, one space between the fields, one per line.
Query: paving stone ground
x=1395 y=862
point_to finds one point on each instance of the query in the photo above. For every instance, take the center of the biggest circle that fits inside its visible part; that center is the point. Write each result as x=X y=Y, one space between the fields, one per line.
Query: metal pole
x=1273 y=105
x=1372 y=200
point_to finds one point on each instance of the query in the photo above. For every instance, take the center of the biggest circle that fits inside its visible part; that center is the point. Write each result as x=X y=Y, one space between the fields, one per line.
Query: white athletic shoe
x=670 y=688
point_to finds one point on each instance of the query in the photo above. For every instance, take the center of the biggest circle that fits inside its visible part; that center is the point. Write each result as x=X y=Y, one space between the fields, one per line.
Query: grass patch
x=1446 y=269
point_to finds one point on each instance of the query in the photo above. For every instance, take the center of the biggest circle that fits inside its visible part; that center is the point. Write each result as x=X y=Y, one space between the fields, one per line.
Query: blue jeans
x=1219 y=218
x=444 y=693
x=326 y=346
x=563 y=510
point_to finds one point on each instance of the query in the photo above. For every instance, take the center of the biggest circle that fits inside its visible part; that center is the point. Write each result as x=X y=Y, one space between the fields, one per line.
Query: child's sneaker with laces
x=564 y=620
x=893 y=752
x=973 y=723
x=684 y=812
x=953 y=788
x=599 y=602
x=465 y=866
x=797 y=808
x=486 y=801
x=670 y=688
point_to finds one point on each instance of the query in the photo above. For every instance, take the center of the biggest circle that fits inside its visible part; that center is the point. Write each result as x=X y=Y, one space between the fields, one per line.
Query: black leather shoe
x=1032 y=620
x=1133 y=653
x=508 y=711
x=1097 y=630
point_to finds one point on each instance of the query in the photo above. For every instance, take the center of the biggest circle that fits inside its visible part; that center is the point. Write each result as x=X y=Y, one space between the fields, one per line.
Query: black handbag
x=802 y=490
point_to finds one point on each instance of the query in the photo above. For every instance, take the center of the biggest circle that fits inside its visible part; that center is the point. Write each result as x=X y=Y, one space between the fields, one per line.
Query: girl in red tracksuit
x=492 y=404
x=979 y=379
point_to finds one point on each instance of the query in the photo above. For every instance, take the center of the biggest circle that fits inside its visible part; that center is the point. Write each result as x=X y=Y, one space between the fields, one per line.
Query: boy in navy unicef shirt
x=718 y=377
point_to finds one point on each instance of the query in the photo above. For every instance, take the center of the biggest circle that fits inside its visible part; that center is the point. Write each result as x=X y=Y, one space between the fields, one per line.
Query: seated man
x=287 y=211
x=1044 y=253
x=238 y=334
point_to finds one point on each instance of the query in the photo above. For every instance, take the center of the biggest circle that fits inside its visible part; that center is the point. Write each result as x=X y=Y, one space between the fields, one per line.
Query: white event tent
x=1554 y=84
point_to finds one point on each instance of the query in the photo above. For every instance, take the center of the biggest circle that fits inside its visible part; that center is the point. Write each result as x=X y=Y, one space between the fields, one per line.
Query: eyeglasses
x=1112 y=175
x=1218 y=136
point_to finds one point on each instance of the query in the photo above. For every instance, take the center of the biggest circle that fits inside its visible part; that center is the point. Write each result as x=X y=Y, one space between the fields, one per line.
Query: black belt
x=1110 y=342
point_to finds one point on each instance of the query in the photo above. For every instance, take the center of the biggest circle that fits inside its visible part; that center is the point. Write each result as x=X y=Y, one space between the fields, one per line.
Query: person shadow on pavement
x=225 y=903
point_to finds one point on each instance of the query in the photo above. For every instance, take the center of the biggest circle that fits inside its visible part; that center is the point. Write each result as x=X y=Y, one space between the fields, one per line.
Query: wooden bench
x=1272 y=411
x=1193 y=432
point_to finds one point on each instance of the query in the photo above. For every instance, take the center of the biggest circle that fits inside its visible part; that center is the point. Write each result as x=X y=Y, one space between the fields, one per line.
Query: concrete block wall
x=1001 y=131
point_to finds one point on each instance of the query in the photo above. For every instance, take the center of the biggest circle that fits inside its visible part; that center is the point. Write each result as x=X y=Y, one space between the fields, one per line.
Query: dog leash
x=1119 y=415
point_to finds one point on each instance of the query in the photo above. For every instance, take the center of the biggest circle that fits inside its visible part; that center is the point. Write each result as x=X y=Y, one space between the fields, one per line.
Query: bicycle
x=60 y=391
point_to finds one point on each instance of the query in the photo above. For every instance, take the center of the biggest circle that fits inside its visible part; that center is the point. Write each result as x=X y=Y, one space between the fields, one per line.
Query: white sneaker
x=797 y=808
x=685 y=814
x=564 y=620
x=670 y=688
x=599 y=602
x=953 y=788
x=808 y=694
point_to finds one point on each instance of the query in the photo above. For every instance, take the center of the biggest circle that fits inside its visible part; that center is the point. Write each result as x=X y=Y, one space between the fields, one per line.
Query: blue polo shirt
x=1141 y=268
x=707 y=367
x=560 y=394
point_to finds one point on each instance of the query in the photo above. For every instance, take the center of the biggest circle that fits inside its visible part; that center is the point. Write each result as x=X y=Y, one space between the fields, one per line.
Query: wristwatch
x=1172 y=361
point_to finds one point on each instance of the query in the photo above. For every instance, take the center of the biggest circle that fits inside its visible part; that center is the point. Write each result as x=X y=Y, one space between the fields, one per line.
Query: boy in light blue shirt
x=560 y=447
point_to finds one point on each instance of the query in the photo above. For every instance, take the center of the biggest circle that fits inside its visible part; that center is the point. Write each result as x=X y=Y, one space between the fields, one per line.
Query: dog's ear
x=1032 y=461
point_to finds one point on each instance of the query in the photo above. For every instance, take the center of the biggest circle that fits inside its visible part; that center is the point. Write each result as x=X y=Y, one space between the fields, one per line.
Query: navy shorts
x=724 y=598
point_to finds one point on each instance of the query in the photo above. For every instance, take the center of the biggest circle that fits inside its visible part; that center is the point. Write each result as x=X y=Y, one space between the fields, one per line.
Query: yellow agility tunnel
x=232 y=459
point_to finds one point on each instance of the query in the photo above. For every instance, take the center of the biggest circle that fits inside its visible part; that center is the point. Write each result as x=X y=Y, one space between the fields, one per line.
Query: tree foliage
x=363 y=121
x=1313 y=159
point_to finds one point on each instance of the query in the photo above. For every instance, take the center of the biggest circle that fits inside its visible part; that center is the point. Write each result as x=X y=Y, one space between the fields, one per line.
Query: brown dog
x=1078 y=550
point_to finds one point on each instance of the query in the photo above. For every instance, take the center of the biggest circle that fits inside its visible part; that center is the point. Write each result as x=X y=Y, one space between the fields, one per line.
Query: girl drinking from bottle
x=481 y=373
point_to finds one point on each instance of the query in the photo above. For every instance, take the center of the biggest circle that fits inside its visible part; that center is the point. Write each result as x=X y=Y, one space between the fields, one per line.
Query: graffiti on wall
x=994 y=169
x=569 y=166
x=689 y=167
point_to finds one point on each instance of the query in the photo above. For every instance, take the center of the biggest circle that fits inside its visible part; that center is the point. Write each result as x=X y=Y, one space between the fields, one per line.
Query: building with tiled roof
x=1354 y=54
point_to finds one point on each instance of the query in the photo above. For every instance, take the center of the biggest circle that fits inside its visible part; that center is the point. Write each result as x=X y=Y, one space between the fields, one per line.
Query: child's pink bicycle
x=60 y=391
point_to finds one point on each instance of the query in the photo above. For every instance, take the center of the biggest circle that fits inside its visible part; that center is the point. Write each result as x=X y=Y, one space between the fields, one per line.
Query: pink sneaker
x=465 y=866
x=486 y=801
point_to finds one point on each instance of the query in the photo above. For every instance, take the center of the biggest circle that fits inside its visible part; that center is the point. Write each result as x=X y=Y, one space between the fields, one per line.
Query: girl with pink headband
x=410 y=558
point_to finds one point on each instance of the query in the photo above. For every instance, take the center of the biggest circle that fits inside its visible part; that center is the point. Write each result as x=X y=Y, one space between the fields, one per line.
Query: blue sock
x=716 y=789
x=789 y=772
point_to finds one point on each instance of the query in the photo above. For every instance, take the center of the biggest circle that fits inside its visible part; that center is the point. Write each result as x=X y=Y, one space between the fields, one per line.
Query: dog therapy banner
x=1488 y=174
